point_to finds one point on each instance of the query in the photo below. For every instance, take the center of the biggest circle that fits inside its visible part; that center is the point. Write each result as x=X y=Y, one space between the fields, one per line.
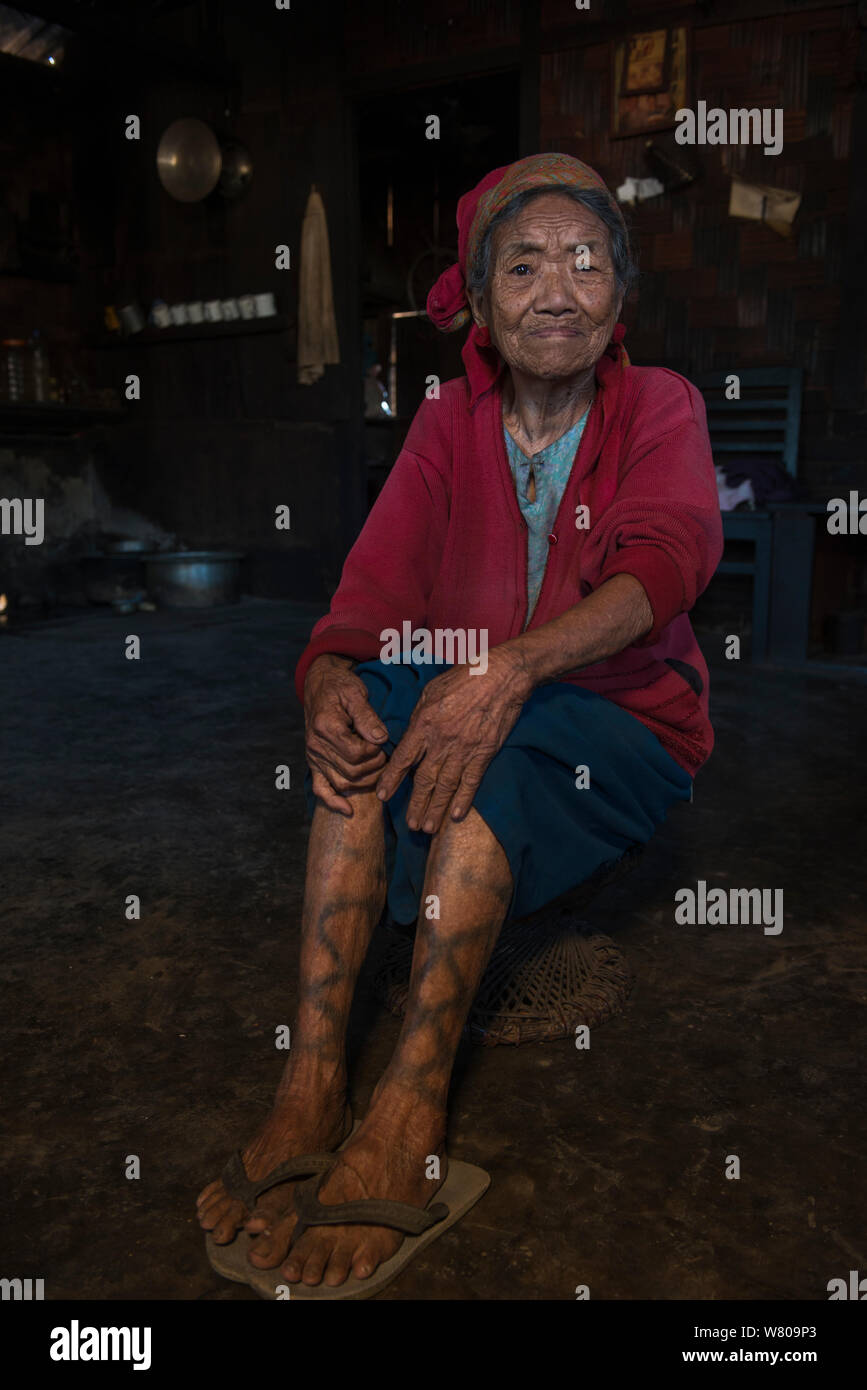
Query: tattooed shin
x=344 y=898
x=469 y=877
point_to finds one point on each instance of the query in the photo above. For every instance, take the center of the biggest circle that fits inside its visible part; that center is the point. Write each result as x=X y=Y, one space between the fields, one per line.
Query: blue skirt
x=555 y=833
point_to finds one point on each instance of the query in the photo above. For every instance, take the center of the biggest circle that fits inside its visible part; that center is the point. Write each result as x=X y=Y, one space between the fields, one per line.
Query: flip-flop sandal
x=230 y=1259
x=464 y=1185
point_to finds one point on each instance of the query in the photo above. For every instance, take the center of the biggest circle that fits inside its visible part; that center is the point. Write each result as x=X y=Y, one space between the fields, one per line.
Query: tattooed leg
x=405 y=1126
x=344 y=895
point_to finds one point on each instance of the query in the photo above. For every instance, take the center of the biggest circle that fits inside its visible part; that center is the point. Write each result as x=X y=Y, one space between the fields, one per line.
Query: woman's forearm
x=614 y=616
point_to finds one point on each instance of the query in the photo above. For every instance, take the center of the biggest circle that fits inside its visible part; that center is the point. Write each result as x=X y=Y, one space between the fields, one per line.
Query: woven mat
x=548 y=974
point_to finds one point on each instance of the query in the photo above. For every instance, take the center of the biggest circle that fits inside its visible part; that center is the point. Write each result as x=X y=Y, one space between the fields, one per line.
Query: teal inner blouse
x=551 y=468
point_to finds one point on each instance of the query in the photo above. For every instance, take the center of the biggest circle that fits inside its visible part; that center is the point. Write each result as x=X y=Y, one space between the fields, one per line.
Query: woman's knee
x=471 y=836
x=366 y=818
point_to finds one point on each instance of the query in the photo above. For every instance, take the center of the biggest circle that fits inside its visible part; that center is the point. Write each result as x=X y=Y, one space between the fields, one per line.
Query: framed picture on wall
x=645 y=63
x=649 y=81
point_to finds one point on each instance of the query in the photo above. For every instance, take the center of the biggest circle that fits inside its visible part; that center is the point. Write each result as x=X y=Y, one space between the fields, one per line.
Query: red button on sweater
x=445 y=543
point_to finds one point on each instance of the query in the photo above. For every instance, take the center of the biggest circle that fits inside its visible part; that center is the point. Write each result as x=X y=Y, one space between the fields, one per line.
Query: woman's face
x=550 y=306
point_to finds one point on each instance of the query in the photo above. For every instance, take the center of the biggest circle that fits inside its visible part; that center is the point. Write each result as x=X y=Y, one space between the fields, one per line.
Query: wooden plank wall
x=715 y=291
x=388 y=34
x=719 y=292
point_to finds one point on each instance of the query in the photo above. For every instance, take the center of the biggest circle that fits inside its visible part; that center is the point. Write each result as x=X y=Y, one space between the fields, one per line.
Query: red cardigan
x=445 y=545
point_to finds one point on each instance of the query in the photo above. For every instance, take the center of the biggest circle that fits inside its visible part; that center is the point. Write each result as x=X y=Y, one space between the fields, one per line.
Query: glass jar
x=16 y=371
x=41 y=368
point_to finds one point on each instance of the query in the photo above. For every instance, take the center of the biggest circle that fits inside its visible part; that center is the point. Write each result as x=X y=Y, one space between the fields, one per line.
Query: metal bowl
x=194 y=578
x=189 y=160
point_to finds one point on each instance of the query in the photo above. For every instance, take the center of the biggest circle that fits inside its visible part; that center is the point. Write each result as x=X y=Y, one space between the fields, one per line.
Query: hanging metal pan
x=189 y=160
x=237 y=169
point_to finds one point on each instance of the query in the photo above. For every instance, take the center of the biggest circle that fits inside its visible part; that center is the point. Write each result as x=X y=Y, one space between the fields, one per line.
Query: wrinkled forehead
x=551 y=221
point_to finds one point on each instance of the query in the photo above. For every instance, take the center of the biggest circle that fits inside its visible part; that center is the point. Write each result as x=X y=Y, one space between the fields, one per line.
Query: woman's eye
x=523 y=266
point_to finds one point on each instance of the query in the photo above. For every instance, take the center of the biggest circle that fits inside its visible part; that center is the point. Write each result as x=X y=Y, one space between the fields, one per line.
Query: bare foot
x=387 y=1157
x=309 y=1115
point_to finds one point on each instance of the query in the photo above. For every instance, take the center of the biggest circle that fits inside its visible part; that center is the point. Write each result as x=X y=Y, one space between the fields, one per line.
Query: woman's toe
x=374 y=1251
x=293 y=1266
x=269 y=1248
x=207 y=1194
x=208 y=1216
x=313 y=1268
x=220 y=1205
x=315 y=1263
x=364 y=1263
x=269 y=1211
x=261 y=1219
x=226 y=1228
x=339 y=1262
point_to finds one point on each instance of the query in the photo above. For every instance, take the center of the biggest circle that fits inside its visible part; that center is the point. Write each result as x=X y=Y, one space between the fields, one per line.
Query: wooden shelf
x=51 y=419
x=188 y=332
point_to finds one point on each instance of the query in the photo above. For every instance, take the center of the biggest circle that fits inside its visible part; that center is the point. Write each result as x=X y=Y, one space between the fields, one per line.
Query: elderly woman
x=558 y=506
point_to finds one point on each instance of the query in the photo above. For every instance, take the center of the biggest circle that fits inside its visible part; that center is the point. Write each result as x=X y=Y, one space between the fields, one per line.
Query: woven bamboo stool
x=548 y=973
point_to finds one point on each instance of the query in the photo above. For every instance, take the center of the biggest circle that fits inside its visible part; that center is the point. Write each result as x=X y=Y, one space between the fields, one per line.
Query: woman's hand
x=459 y=723
x=342 y=732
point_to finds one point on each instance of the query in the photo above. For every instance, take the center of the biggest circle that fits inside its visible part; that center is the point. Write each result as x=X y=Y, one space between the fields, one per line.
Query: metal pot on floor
x=194 y=578
x=114 y=570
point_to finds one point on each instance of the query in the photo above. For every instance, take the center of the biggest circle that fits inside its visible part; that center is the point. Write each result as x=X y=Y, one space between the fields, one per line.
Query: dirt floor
x=155 y=1037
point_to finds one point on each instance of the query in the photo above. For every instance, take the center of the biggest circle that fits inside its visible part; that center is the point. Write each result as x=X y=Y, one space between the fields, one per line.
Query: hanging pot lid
x=189 y=160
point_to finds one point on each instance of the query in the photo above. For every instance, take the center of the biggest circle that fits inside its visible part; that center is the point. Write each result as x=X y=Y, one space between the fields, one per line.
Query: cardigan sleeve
x=663 y=525
x=392 y=567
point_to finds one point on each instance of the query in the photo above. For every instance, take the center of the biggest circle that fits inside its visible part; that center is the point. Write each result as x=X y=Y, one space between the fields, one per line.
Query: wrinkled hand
x=342 y=733
x=458 y=725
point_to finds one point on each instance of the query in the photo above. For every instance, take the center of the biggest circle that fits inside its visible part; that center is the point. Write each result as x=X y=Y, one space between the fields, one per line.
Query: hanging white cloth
x=731 y=497
x=317 y=327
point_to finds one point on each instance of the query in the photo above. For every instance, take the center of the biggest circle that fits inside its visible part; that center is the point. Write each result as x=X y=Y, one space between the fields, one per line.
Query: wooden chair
x=765 y=420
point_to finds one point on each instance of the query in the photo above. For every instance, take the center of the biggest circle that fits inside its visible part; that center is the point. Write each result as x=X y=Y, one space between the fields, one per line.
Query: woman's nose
x=555 y=288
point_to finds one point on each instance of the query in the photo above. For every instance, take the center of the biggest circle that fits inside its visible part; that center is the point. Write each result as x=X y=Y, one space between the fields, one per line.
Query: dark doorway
x=409 y=187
